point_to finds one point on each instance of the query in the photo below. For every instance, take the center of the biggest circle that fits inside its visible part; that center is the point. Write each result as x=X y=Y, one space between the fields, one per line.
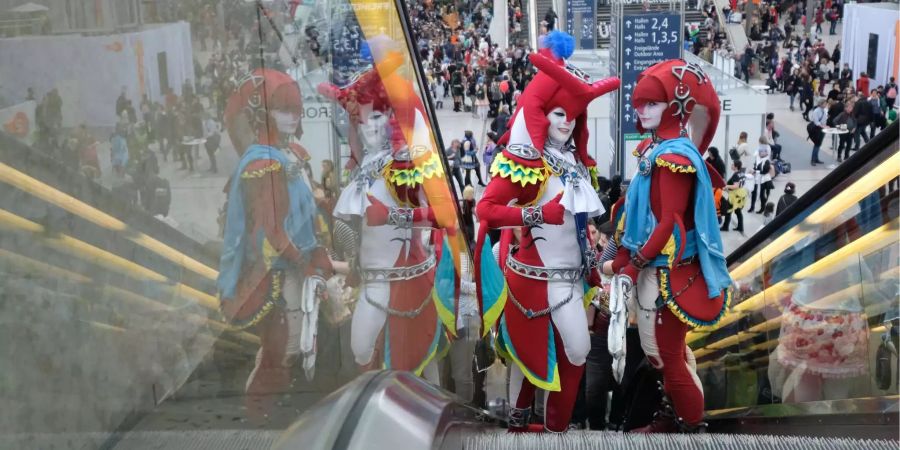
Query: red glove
x=319 y=263
x=623 y=256
x=631 y=272
x=553 y=211
x=376 y=213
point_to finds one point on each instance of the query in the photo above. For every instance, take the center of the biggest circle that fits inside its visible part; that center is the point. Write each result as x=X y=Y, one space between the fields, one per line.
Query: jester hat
x=558 y=84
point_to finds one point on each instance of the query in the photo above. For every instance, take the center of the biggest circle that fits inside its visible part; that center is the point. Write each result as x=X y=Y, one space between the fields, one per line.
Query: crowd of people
x=797 y=63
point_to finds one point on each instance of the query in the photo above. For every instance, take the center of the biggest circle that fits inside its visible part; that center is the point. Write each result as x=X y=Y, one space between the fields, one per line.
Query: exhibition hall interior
x=449 y=224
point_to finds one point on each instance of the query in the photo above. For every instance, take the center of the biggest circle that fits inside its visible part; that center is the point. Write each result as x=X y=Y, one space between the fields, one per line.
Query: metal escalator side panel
x=326 y=424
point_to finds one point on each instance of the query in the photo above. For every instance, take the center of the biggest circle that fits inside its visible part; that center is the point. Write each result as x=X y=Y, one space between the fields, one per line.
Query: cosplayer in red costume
x=272 y=270
x=543 y=182
x=671 y=249
x=395 y=178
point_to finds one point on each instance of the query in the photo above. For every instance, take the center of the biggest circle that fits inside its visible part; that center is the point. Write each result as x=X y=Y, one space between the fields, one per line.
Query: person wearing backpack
x=787 y=199
x=890 y=94
x=737 y=197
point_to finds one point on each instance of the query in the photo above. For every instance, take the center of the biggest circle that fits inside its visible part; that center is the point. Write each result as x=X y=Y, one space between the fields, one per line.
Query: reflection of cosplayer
x=668 y=232
x=542 y=183
x=398 y=315
x=271 y=269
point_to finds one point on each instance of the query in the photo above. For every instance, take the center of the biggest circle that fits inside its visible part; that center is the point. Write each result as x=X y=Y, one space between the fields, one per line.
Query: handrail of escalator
x=886 y=141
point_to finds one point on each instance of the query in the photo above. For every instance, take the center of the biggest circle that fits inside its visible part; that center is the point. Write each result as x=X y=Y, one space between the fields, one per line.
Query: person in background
x=890 y=94
x=787 y=199
x=762 y=178
x=862 y=112
x=772 y=136
x=737 y=197
x=862 y=84
x=490 y=149
x=806 y=96
x=743 y=148
x=833 y=17
x=715 y=160
x=598 y=377
x=814 y=129
x=119 y=152
x=501 y=122
x=470 y=163
x=792 y=88
x=845 y=120
x=454 y=159
x=212 y=131
x=878 y=121
x=768 y=214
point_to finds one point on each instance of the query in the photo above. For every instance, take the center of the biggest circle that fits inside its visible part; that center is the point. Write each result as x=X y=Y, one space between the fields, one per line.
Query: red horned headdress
x=557 y=84
x=691 y=97
x=255 y=96
x=383 y=89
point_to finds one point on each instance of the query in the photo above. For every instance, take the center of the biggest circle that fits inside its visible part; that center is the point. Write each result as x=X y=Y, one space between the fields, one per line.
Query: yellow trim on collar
x=517 y=173
x=274 y=167
x=430 y=168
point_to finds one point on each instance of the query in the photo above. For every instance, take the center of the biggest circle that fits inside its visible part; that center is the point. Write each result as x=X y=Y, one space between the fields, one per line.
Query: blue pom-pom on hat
x=561 y=44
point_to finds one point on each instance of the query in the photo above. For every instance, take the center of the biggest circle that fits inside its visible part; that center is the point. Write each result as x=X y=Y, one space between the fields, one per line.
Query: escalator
x=112 y=332
x=831 y=259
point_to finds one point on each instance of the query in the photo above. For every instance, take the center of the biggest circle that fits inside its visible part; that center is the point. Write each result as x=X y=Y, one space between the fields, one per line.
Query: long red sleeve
x=494 y=209
x=677 y=189
x=266 y=198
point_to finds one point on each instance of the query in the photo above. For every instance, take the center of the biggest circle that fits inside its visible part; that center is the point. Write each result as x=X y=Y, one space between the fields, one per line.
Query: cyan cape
x=299 y=223
x=640 y=222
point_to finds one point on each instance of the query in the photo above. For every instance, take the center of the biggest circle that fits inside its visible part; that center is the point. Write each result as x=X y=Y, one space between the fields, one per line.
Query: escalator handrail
x=882 y=142
x=36 y=162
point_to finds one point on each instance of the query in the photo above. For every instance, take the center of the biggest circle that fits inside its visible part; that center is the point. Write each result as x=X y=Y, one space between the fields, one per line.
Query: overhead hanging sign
x=647 y=39
x=580 y=22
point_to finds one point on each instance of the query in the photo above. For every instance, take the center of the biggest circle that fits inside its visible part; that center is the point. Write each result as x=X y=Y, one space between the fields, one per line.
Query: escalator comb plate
x=589 y=440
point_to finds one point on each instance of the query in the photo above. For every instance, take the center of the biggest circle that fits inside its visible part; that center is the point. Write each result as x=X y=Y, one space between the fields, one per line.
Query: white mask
x=650 y=114
x=560 y=129
x=374 y=130
x=286 y=121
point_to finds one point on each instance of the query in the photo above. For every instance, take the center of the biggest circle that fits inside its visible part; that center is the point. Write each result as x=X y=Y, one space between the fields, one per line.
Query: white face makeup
x=286 y=121
x=650 y=114
x=374 y=130
x=560 y=129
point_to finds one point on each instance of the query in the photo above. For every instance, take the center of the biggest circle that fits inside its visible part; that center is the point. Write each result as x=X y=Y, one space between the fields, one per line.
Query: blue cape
x=299 y=223
x=640 y=222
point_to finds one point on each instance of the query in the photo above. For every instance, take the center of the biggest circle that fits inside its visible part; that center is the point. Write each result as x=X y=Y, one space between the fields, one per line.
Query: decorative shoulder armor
x=415 y=172
x=520 y=164
x=260 y=167
x=675 y=163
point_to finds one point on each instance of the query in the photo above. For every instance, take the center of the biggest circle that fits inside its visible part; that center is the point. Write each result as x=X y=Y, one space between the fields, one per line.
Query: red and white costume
x=395 y=175
x=546 y=187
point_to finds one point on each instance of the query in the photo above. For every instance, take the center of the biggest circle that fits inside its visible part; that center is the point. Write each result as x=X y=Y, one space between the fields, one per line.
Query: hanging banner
x=647 y=39
x=581 y=16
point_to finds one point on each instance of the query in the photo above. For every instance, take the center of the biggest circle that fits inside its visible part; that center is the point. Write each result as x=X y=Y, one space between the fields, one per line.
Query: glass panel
x=815 y=305
x=196 y=199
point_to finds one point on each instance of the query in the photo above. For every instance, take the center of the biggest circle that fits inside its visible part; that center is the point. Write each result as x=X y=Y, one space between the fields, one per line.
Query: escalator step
x=585 y=440
x=199 y=440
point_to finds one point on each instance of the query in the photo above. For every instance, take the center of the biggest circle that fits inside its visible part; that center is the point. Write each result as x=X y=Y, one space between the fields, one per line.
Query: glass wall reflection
x=815 y=314
x=213 y=214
